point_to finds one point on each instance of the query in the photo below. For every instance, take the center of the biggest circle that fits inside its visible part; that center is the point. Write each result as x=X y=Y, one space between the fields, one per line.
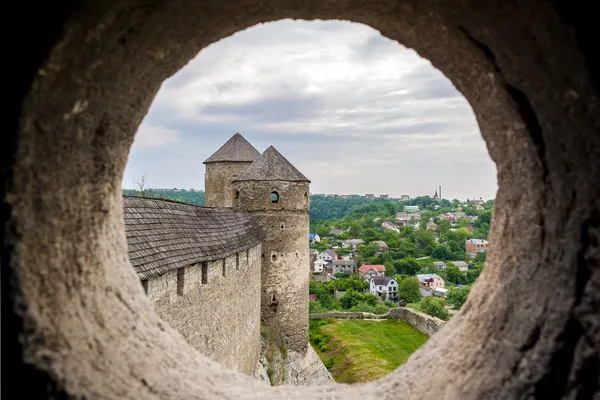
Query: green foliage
x=456 y=297
x=435 y=307
x=408 y=266
x=328 y=363
x=408 y=289
x=196 y=197
x=353 y=298
x=454 y=275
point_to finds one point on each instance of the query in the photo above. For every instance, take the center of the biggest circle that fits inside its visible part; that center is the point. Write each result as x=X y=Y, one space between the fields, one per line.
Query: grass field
x=360 y=351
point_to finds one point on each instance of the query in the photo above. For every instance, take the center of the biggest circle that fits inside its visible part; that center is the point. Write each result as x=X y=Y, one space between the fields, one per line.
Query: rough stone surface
x=219 y=318
x=75 y=319
x=420 y=321
x=218 y=186
x=284 y=304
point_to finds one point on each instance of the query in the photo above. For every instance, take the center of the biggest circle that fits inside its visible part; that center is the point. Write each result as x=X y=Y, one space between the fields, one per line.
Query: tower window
x=274 y=197
x=205 y=272
x=145 y=285
x=237 y=194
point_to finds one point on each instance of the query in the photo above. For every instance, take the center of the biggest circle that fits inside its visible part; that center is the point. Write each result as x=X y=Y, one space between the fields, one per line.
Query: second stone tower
x=277 y=195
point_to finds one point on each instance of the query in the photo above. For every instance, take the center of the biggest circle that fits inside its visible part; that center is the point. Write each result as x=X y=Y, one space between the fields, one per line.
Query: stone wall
x=217 y=310
x=348 y=315
x=420 y=321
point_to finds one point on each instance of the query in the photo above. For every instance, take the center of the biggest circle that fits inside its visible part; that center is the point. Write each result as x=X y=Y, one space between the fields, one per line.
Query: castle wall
x=220 y=317
x=284 y=292
x=218 y=182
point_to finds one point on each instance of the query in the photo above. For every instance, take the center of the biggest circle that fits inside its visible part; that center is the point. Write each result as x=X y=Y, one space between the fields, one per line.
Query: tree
x=444 y=225
x=435 y=307
x=456 y=297
x=443 y=252
x=408 y=289
x=355 y=230
x=142 y=187
x=408 y=266
x=454 y=275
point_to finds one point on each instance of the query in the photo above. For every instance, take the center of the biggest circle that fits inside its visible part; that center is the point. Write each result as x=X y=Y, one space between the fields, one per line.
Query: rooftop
x=381 y=280
x=164 y=235
x=423 y=277
x=366 y=267
x=236 y=149
x=272 y=166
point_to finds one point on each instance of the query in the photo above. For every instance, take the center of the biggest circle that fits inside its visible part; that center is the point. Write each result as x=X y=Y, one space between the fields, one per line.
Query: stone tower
x=223 y=167
x=276 y=193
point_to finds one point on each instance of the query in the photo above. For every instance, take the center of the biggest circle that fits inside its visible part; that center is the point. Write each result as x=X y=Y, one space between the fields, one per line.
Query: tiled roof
x=343 y=262
x=272 y=166
x=423 y=277
x=163 y=235
x=382 y=280
x=366 y=267
x=237 y=149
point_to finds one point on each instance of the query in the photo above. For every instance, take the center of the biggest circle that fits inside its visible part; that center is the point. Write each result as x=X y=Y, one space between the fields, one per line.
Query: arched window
x=274 y=197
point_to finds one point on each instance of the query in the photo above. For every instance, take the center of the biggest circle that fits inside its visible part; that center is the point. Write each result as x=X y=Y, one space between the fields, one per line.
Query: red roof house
x=368 y=271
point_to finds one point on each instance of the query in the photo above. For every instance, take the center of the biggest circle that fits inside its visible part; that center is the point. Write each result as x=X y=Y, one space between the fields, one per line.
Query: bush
x=435 y=307
x=458 y=297
x=380 y=308
x=315 y=307
x=328 y=363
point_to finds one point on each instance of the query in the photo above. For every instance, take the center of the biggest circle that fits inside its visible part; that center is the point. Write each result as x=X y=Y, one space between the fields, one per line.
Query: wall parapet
x=422 y=322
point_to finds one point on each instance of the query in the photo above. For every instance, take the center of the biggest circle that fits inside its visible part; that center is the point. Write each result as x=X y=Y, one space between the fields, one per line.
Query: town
x=423 y=253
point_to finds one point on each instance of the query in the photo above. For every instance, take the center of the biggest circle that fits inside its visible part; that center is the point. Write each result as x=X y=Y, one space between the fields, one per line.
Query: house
x=448 y=217
x=462 y=266
x=415 y=216
x=411 y=208
x=478 y=207
x=439 y=265
x=403 y=218
x=313 y=253
x=336 y=232
x=347 y=257
x=428 y=283
x=320 y=266
x=352 y=243
x=459 y=214
x=313 y=238
x=370 y=196
x=384 y=287
x=480 y=201
x=390 y=226
x=382 y=247
x=343 y=266
x=328 y=255
x=474 y=246
x=439 y=292
x=432 y=226
x=368 y=271
x=404 y=197
x=384 y=196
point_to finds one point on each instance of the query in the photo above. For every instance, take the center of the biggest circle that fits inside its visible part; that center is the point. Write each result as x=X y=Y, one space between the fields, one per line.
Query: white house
x=390 y=226
x=368 y=271
x=327 y=255
x=319 y=266
x=314 y=238
x=384 y=287
x=411 y=208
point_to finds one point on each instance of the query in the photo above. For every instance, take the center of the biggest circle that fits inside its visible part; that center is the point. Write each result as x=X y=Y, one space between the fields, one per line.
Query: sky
x=354 y=111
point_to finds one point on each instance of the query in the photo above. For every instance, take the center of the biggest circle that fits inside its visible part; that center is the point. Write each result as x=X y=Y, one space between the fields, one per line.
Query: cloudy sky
x=354 y=111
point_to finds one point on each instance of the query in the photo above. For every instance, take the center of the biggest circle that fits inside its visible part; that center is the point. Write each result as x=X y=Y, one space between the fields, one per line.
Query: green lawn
x=361 y=351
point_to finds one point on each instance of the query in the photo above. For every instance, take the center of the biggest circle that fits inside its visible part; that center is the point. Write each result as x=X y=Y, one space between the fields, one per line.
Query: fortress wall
x=219 y=318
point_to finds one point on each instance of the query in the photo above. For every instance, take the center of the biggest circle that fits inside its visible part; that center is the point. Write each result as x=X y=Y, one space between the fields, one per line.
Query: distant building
x=313 y=238
x=448 y=217
x=411 y=208
x=390 y=226
x=343 y=266
x=462 y=266
x=403 y=218
x=320 y=266
x=439 y=292
x=404 y=197
x=428 y=283
x=336 y=232
x=384 y=196
x=370 y=196
x=352 y=243
x=384 y=287
x=432 y=226
x=368 y=271
x=439 y=265
x=382 y=247
x=474 y=246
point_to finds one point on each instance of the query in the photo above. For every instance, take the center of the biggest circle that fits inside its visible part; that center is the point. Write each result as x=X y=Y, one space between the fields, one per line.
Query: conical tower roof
x=237 y=149
x=272 y=166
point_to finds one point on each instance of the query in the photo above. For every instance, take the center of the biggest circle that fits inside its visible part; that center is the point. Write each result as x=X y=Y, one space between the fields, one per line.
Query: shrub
x=380 y=308
x=328 y=363
x=458 y=297
x=435 y=307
